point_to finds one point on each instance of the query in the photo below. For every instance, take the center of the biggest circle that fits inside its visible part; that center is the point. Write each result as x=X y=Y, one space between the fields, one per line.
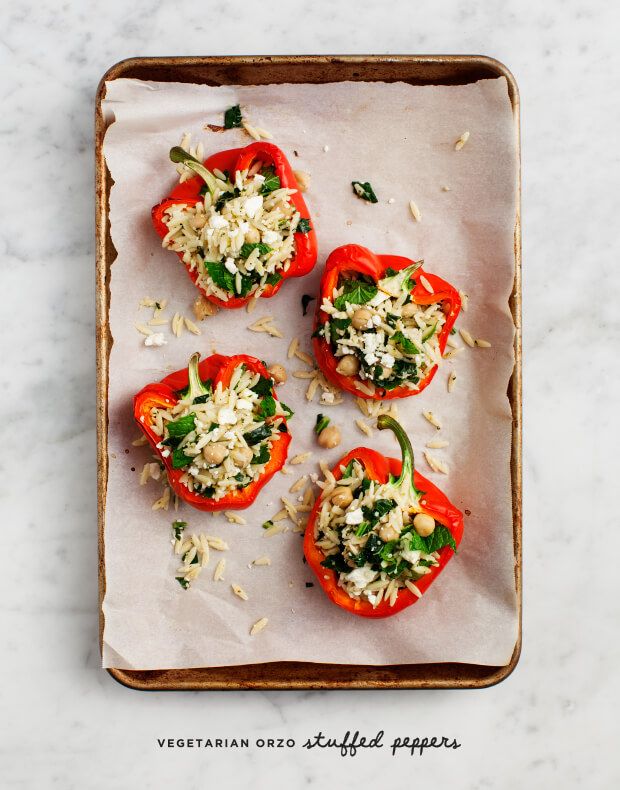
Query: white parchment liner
x=401 y=138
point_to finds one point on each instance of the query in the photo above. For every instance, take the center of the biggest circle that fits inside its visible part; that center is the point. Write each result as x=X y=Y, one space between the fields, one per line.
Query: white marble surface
x=65 y=723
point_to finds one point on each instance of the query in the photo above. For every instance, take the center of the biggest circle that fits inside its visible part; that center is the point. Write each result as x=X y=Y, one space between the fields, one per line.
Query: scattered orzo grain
x=235 y=518
x=192 y=326
x=435 y=464
x=218 y=574
x=258 y=626
x=482 y=343
x=366 y=429
x=467 y=338
x=415 y=211
x=144 y=330
x=262 y=561
x=292 y=347
x=461 y=141
x=301 y=458
x=426 y=284
x=437 y=444
x=433 y=419
x=239 y=592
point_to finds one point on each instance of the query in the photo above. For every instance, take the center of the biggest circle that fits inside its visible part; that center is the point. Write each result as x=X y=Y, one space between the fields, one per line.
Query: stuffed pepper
x=218 y=428
x=382 y=323
x=380 y=534
x=240 y=225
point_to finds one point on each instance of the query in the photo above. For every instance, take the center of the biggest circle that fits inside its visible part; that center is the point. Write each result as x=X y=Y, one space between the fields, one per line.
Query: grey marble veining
x=64 y=722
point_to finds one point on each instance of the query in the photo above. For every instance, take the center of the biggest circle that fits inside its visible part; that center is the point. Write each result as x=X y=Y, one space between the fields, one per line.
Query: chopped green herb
x=287 y=410
x=321 y=423
x=428 y=333
x=271 y=182
x=305 y=301
x=182 y=426
x=263 y=386
x=267 y=408
x=453 y=331
x=183 y=582
x=355 y=292
x=248 y=248
x=220 y=275
x=177 y=528
x=232 y=117
x=364 y=191
x=363 y=528
x=179 y=459
x=203 y=190
x=340 y=324
x=263 y=456
x=304 y=226
x=257 y=435
x=207 y=396
x=439 y=537
x=336 y=562
x=224 y=197
x=404 y=344
x=274 y=278
x=267 y=524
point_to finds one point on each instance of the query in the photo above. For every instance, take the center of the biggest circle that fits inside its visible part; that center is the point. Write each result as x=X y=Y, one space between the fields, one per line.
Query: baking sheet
x=402 y=139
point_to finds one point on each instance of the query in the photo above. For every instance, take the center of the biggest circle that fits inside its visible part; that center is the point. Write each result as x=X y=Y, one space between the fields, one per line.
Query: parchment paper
x=400 y=138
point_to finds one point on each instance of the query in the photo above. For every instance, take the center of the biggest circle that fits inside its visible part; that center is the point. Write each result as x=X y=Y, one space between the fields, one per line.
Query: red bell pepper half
x=352 y=260
x=430 y=500
x=188 y=193
x=198 y=380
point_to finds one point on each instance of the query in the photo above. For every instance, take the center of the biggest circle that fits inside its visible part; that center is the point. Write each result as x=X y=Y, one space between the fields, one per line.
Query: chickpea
x=409 y=310
x=424 y=524
x=278 y=374
x=303 y=180
x=199 y=221
x=361 y=317
x=215 y=453
x=342 y=496
x=252 y=236
x=349 y=365
x=203 y=308
x=329 y=437
x=388 y=532
x=242 y=456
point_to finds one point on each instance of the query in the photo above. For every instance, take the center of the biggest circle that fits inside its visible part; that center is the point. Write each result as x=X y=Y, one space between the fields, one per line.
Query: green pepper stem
x=408 y=467
x=196 y=386
x=179 y=155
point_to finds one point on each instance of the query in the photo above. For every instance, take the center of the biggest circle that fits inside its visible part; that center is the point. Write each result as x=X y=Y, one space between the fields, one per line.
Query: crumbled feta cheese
x=165 y=453
x=226 y=416
x=354 y=516
x=244 y=227
x=230 y=265
x=156 y=339
x=193 y=470
x=217 y=221
x=387 y=360
x=259 y=179
x=327 y=397
x=270 y=236
x=229 y=435
x=361 y=576
x=391 y=200
x=244 y=404
x=376 y=319
x=411 y=556
x=370 y=359
x=252 y=205
x=326 y=148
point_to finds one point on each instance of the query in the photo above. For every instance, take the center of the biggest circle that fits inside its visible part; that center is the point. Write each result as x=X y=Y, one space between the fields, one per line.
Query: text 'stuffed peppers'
x=197 y=382
x=352 y=263
x=229 y=163
x=410 y=489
